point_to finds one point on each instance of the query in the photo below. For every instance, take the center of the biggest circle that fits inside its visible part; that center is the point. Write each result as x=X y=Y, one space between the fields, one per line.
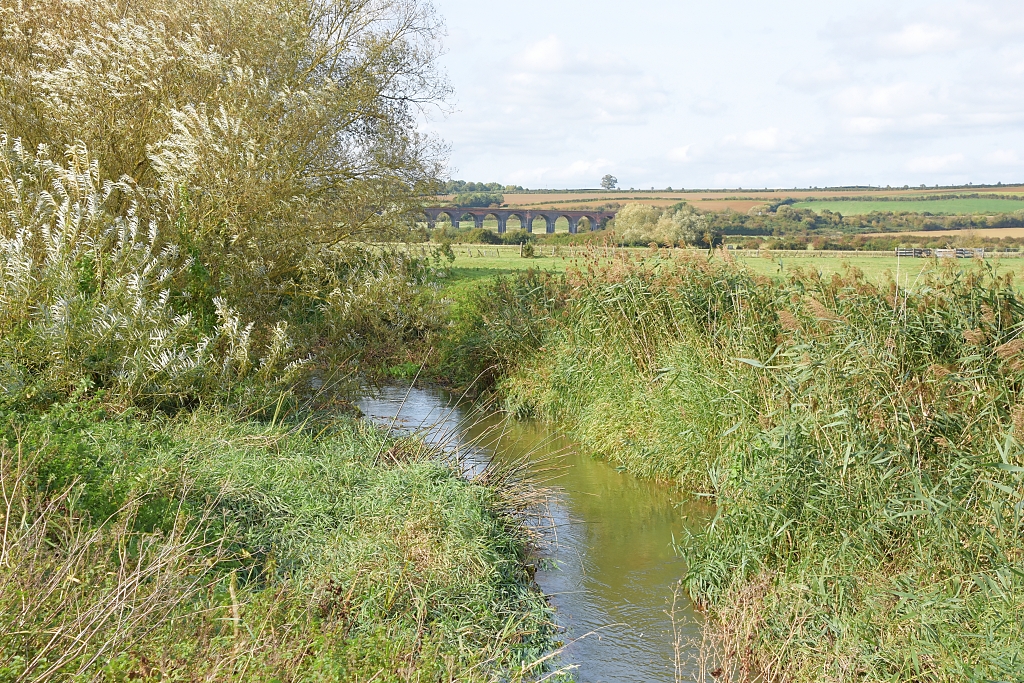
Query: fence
x=947 y=253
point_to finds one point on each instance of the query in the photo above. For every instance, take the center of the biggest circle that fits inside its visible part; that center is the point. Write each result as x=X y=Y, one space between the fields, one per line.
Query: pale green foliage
x=263 y=127
x=676 y=226
x=85 y=293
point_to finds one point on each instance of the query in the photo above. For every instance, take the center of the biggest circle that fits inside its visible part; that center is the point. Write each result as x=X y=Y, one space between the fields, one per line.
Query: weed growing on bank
x=860 y=440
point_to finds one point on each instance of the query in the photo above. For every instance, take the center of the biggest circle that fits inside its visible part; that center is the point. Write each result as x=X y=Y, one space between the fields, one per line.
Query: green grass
x=875 y=268
x=263 y=552
x=943 y=207
x=506 y=260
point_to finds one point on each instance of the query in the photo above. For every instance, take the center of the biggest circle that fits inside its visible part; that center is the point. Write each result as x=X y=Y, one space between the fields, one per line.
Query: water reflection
x=609 y=567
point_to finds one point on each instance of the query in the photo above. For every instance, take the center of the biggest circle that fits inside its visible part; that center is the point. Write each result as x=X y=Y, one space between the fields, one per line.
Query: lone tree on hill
x=609 y=182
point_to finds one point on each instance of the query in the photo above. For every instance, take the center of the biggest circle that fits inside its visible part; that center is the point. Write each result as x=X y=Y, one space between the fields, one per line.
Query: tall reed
x=860 y=439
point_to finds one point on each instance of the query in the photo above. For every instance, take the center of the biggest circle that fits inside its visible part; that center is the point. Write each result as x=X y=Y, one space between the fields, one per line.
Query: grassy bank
x=182 y=496
x=206 y=547
x=861 y=441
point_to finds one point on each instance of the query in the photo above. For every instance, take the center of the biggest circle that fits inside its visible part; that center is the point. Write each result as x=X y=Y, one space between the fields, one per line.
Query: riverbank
x=211 y=547
x=859 y=438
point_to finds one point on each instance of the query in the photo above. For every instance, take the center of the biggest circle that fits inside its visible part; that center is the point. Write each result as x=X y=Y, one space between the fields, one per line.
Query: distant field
x=984 y=232
x=736 y=200
x=944 y=207
x=474 y=262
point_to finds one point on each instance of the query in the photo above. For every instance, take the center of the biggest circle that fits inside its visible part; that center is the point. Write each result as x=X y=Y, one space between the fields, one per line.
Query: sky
x=733 y=93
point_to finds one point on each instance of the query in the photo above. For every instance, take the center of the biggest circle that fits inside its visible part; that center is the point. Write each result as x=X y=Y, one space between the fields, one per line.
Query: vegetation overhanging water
x=605 y=561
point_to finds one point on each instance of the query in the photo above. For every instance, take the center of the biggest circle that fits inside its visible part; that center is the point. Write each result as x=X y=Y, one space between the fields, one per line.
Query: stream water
x=608 y=566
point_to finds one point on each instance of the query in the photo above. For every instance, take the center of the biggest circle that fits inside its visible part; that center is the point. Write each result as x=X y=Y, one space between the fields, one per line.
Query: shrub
x=640 y=224
x=256 y=129
x=481 y=236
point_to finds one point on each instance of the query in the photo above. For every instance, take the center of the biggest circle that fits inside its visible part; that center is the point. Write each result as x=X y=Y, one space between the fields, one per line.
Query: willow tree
x=257 y=128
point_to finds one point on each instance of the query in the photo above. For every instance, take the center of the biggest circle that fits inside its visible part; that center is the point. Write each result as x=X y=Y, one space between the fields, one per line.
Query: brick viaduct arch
x=455 y=214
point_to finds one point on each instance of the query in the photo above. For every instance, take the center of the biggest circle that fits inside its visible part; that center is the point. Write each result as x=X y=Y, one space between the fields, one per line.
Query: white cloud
x=814 y=79
x=708 y=107
x=763 y=140
x=935 y=164
x=918 y=39
x=886 y=100
x=580 y=173
x=547 y=55
x=748 y=179
x=579 y=84
x=1004 y=157
x=868 y=125
x=680 y=154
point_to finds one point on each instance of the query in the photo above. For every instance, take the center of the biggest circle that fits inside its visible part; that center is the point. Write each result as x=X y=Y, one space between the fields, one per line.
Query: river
x=607 y=565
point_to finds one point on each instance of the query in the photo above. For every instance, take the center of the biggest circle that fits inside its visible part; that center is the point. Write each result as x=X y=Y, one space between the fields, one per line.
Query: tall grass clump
x=225 y=550
x=493 y=327
x=861 y=441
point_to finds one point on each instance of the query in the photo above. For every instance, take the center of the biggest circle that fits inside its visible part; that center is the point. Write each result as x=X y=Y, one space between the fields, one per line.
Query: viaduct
x=597 y=219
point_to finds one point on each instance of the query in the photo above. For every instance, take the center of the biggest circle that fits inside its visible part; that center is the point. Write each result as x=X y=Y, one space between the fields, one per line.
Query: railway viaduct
x=597 y=219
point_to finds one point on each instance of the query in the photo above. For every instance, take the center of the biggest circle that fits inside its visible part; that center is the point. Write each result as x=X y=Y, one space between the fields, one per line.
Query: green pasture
x=475 y=262
x=940 y=207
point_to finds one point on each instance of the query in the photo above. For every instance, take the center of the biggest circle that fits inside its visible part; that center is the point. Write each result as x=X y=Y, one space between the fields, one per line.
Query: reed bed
x=861 y=441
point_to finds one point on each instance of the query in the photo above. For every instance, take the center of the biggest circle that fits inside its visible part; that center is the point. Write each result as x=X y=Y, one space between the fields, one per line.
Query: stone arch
x=434 y=216
x=548 y=219
x=484 y=215
x=520 y=216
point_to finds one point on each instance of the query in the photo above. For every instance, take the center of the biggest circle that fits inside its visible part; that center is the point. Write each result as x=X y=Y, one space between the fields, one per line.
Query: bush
x=256 y=130
x=91 y=300
x=639 y=225
x=480 y=236
x=517 y=237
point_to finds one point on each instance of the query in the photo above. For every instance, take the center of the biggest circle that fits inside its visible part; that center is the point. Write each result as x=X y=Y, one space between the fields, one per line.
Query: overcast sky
x=734 y=93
